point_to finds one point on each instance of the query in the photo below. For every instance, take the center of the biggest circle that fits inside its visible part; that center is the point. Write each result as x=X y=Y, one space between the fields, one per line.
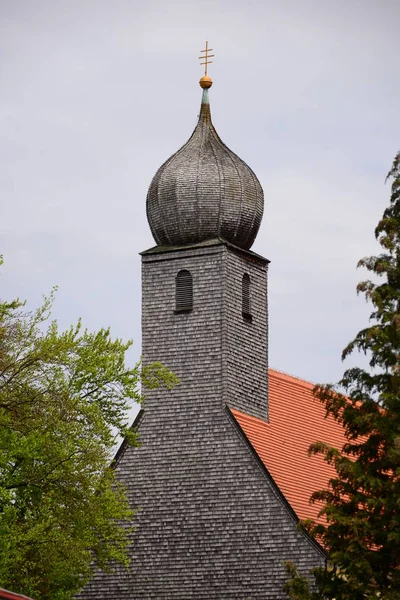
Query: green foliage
x=362 y=503
x=297 y=586
x=63 y=401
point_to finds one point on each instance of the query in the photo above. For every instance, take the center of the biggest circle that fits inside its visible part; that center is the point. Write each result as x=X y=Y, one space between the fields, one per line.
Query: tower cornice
x=205 y=244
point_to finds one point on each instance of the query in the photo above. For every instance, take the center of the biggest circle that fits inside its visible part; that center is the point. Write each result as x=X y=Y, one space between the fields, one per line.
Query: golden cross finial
x=206 y=81
x=206 y=57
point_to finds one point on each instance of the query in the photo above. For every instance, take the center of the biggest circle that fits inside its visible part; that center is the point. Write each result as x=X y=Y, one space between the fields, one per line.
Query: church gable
x=211 y=524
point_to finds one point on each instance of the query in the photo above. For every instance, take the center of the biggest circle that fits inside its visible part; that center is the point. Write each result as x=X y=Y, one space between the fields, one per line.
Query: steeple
x=205 y=191
x=212 y=523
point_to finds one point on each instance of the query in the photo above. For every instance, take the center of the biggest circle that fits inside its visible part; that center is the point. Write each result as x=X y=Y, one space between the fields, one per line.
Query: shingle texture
x=204 y=191
x=213 y=344
x=212 y=524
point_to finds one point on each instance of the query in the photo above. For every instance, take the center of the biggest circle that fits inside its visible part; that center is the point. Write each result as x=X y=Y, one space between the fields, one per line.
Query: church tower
x=204 y=308
x=211 y=522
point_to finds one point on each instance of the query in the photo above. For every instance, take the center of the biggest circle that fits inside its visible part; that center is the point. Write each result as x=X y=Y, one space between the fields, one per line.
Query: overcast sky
x=96 y=94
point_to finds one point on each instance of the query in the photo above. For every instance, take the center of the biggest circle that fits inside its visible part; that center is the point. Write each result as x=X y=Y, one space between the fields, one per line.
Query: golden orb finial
x=206 y=81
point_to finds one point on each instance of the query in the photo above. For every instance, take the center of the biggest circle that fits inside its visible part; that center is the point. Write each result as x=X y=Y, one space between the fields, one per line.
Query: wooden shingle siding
x=205 y=191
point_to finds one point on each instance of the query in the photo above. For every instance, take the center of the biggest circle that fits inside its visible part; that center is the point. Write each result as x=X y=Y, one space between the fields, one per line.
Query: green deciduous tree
x=63 y=401
x=362 y=502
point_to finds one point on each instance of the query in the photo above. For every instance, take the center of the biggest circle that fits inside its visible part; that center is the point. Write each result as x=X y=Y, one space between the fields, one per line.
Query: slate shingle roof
x=296 y=420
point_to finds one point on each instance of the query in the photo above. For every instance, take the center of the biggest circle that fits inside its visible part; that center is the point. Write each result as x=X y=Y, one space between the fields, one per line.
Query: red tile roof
x=11 y=595
x=296 y=420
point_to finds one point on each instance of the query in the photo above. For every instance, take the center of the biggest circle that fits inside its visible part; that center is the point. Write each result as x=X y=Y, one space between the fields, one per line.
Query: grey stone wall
x=211 y=525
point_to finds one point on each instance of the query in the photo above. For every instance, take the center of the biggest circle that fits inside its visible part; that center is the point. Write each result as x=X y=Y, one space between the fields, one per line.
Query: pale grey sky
x=96 y=94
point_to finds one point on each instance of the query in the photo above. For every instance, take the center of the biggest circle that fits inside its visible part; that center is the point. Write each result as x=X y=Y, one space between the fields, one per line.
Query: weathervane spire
x=206 y=81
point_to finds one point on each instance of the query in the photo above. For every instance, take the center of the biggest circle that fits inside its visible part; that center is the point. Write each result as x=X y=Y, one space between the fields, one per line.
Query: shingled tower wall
x=219 y=353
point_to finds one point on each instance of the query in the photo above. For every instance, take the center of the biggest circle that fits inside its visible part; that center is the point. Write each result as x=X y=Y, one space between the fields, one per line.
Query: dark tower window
x=246 y=297
x=184 y=292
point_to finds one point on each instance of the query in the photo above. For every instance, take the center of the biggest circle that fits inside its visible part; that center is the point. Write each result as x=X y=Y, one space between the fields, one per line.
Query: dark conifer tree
x=362 y=502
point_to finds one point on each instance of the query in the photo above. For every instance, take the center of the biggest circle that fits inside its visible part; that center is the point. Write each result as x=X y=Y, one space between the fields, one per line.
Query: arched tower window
x=246 y=297
x=184 y=291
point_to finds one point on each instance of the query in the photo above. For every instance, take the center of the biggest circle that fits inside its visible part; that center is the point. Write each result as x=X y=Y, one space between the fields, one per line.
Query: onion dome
x=204 y=191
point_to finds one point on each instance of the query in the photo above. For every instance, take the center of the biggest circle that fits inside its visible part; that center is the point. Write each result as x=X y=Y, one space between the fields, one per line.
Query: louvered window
x=184 y=292
x=246 y=297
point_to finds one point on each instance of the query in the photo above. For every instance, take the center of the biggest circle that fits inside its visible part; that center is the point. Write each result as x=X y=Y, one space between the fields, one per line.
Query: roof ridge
x=293 y=378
